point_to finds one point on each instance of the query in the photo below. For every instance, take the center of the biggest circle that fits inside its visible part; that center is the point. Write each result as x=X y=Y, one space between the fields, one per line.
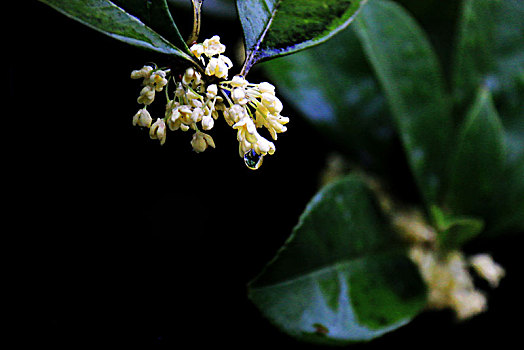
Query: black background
x=121 y=241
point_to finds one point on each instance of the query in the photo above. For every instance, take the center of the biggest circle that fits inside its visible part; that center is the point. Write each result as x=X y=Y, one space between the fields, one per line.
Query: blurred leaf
x=490 y=53
x=342 y=276
x=279 y=27
x=111 y=20
x=155 y=14
x=407 y=68
x=454 y=231
x=224 y=9
x=333 y=86
x=507 y=210
x=478 y=159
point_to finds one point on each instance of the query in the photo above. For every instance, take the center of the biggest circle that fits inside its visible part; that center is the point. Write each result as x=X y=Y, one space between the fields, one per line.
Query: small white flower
x=174 y=121
x=201 y=141
x=272 y=103
x=207 y=122
x=239 y=96
x=263 y=146
x=188 y=76
x=158 y=131
x=158 y=80
x=266 y=87
x=197 y=50
x=239 y=81
x=219 y=66
x=212 y=91
x=147 y=95
x=197 y=115
x=246 y=130
x=487 y=268
x=236 y=113
x=275 y=124
x=468 y=303
x=144 y=72
x=142 y=118
x=213 y=46
x=196 y=103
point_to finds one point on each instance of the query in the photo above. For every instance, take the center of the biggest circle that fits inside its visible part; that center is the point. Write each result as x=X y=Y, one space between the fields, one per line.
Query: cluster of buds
x=154 y=80
x=251 y=107
x=200 y=95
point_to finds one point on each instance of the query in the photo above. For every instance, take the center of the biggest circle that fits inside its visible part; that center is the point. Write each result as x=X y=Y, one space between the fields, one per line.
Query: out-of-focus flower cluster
x=200 y=94
x=446 y=272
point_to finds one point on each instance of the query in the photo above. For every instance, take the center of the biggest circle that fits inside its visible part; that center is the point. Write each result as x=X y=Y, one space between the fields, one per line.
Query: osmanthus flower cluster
x=199 y=98
x=446 y=272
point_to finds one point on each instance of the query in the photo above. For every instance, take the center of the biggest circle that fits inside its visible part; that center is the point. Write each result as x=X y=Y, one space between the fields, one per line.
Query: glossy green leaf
x=455 y=231
x=333 y=86
x=156 y=15
x=342 y=276
x=111 y=20
x=407 y=68
x=490 y=53
x=279 y=27
x=478 y=159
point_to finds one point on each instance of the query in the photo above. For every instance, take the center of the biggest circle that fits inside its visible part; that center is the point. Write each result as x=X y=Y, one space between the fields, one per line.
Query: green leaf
x=342 y=276
x=478 y=159
x=155 y=14
x=111 y=20
x=490 y=53
x=455 y=231
x=279 y=27
x=407 y=68
x=335 y=89
x=506 y=214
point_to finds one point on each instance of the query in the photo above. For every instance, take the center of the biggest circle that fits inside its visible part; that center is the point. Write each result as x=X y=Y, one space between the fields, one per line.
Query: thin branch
x=197 y=10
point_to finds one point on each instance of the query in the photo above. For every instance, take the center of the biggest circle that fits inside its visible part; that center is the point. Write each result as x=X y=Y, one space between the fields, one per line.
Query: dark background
x=121 y=241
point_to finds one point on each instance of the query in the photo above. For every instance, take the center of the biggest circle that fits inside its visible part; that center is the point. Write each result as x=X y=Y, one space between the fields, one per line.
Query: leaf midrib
x=321 y=270
x=251 y=59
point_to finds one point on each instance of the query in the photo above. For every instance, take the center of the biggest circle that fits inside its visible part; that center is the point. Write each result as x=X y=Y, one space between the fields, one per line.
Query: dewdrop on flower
x=199 y=95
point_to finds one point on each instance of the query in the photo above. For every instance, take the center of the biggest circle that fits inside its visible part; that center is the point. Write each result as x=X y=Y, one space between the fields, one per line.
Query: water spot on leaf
x=320 y=329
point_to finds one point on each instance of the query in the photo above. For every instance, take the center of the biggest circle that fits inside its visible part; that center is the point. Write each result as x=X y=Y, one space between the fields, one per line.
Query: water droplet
x=253 y=160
